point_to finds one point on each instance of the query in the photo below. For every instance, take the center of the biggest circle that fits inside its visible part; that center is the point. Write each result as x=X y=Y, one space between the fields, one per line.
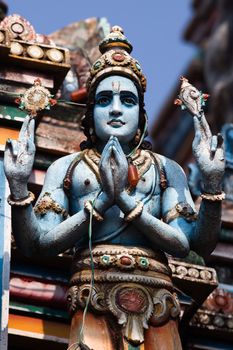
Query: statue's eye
x=103 y=101
x=128 y=100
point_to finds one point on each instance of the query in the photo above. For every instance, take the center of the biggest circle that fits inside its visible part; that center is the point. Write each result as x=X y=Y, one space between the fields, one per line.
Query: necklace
x=139 y=163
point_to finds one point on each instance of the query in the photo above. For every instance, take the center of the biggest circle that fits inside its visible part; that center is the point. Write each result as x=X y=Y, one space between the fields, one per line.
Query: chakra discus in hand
x=36 y=99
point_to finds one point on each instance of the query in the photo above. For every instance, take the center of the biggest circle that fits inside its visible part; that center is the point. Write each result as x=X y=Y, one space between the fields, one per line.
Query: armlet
x=183 y=210
x=46 y=203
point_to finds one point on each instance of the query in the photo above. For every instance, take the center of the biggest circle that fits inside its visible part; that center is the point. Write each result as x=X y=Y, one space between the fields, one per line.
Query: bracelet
x=183 y=210
x=135 y=212
x=213 y=197
x=23 y=202
x=89 y=208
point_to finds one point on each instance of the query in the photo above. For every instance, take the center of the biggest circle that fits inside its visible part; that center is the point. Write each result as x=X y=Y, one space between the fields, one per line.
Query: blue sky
x=154 y=27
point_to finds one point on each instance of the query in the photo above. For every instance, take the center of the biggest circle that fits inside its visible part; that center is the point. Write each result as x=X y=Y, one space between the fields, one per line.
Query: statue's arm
x=169 y=238
x=205 y=237
x=178 y=233
x=172 y=238
x=208 y=150
x=45 y=230
x=203 y=232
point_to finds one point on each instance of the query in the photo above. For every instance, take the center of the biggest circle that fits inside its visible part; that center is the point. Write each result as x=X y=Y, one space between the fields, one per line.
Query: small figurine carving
x=138 y=202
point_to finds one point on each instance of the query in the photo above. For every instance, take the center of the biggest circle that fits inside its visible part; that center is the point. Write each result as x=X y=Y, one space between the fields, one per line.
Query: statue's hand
x=106 y=173
x=209 y=154
x=19 y=157
x=119 y=168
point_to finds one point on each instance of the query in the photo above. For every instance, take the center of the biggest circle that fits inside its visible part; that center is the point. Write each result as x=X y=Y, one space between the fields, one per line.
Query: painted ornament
x=190 y=98
x=133 y=176
x=36 y=99
x=18 y=28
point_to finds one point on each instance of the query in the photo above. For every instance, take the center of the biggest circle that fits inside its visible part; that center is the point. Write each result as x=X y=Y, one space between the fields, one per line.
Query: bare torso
x=114 y=229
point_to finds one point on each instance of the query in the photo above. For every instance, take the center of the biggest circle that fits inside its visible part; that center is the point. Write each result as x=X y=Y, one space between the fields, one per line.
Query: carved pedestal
x=131 y=301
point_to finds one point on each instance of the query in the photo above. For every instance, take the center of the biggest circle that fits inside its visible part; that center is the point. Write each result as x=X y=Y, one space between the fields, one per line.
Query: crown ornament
x=116 y=59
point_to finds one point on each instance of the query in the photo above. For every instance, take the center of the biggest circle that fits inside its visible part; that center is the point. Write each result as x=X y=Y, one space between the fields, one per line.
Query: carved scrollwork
x=133 y=305
x=166 y=305
x=98 y=300
x=132 y=284
x=72 y=299
x=78 y=296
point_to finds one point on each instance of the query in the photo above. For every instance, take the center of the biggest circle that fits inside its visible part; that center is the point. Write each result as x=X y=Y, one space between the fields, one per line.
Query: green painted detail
x=105 y=259
x=138 y=65
x=144 y=262
x=12 y=113
x=97 y=65
x=39 y=310
x=133 y=347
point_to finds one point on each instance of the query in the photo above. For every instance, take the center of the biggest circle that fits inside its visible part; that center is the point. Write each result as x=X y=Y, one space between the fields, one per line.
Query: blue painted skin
x=116 y=118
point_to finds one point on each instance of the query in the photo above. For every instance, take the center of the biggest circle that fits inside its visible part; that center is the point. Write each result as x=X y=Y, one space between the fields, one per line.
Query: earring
x=137 y=137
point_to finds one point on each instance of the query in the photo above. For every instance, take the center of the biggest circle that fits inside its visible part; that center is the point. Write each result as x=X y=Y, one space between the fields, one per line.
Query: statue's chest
x=84 y=180
x=85 y=186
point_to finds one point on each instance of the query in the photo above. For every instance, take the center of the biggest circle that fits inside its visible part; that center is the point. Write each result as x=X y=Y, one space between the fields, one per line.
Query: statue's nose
x=116 y=109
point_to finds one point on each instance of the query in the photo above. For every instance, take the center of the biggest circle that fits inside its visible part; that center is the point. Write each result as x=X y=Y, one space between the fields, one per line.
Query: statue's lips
x=116 y=123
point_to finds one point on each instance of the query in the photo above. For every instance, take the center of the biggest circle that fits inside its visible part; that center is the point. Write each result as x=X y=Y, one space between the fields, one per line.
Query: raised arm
x=181 y=229
x=178 y=211
x=47 y=230
x=209 y=154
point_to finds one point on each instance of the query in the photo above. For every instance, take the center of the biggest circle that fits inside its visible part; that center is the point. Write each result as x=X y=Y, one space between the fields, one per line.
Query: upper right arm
x=178 y=192
x=53 y=203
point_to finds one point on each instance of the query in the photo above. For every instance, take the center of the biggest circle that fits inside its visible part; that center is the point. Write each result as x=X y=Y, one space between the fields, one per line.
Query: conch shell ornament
x=191 y=98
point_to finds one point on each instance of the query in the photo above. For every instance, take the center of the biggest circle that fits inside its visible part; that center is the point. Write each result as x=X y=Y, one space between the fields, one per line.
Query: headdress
x=116 y=60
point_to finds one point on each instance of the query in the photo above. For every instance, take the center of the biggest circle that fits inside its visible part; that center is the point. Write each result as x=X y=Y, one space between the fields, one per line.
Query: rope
x=80 y=337
x=141 y=139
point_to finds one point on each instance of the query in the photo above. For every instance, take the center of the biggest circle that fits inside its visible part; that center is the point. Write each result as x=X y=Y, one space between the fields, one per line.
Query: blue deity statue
x=138 y=202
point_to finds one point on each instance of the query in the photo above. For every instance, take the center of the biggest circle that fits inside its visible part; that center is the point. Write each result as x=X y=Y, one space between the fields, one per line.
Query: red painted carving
x=132 y=300
x=220 y=301
x=125 y=260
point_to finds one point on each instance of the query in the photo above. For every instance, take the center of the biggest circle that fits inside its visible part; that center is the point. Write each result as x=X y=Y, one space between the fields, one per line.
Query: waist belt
x=132 y=283
x=114 y=263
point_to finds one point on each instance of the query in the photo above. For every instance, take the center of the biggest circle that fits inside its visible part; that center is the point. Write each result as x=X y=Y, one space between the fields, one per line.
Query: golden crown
x=116 y=59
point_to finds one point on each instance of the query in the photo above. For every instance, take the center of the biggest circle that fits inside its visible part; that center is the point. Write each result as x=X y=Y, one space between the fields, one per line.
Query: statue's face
x=116 y=110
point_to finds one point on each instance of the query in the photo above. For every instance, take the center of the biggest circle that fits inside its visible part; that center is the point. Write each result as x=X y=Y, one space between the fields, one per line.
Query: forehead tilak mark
x=116 y=86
